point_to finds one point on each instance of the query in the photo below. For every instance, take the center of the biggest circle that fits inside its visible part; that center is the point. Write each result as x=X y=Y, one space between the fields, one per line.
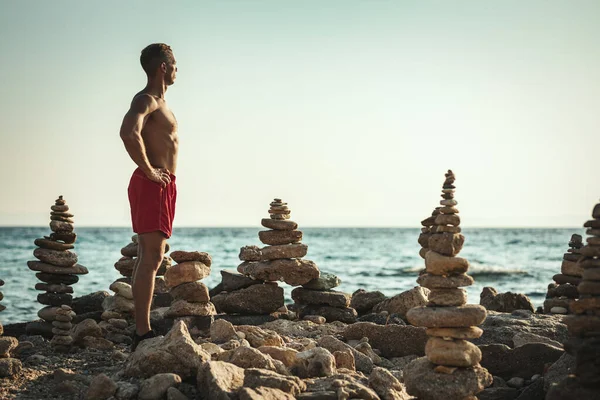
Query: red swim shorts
x=152 y=206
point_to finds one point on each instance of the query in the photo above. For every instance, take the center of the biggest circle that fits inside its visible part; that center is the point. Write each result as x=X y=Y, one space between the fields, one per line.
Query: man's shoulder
x=144 y=102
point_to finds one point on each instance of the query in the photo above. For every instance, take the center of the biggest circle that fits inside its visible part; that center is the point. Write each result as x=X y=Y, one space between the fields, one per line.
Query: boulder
x=390 y=340
x=218 y=380
x=402 y=302
x=524 y=362
x=504 y=302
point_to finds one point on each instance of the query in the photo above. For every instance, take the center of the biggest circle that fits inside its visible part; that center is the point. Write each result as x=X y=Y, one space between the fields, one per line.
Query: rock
x=524 y=361
x=263 y=393
x=182 y=308
x=221 y=331
x=564 y=366
x=325 y=281
x=534 y=391
x=131 y=250
x=250 y=253
x=254 y=320
x=279 y=224
x=344 y=359
x=186 y=256
x=256 y=299
x=447 y=317
x=522 y=338
x=126 y=391
x=447 y=297
x=176 y=353
x=571 y=268
x=101 y=388
x=559 y=310
x=438 y=264
x=346 y=315
x=67 y=237
x=571 y=388
x=247 y=357
x=52 y=245
x=125 y=266
x=119 y=304
x=453 y=353
x=174 y=394
x=516 y=382
x=57 y=279
x=122 y=289
x=156 y=387
x=87 y=327
x=7 y=344
x=54 y=299
x=297 y=250
x=382 y=319
x=346 y=386
x=185 y=272
x=53 y=288
x=504 y=302
x=277 y=237
x=284 y=354
x=362 y=362
x=258 y=337
x=219 y=380
x=401 y=303
x=431 y=281
x=231 y=280
x=471 y=332
x=317 y=297
x=421 y=381
x=89 y=303
x=255 y=377
x=60 y=226
x=386 y=385
x=363 y=301
x=98 y=343
x=52 y=269
x=391 y=340
x=498 y=393
x=317 y=319
x=314 y=362
x=562 y=279
x=291 y=271
x=448 y=244
x=9 y=367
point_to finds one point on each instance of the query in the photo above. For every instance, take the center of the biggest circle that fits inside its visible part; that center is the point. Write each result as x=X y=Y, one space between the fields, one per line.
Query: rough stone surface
x=194 y=292
x=314 y=362
x=185 y=272
x=279 y=224
x=391 y=340
x=52 y=269
x=256 y=299
x=277 y=237
x=219 y=380
x=431 y=281
x=362 y=362
x=524 y=362
x=447 y=297
x=346 y=314
x=325 y=281
x=184 y=256
x=232 y=280
x=176 y=353
x=101 y=388
x=504 y=302
x=363 y=301
x=402 y=302
x=454 y=353
x=386 y=385
x=559 y=370
x=264 y=393
x=297 y=250
x=447 y=317
x=317 y=297
x=438 y=264
x=221 y=331
x=87 y=327
x=182 y=308
x=156 y=387
x=448 y=244
x=291 y=271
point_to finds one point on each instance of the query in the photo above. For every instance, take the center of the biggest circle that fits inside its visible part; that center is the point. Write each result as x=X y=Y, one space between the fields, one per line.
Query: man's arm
x=131 y=134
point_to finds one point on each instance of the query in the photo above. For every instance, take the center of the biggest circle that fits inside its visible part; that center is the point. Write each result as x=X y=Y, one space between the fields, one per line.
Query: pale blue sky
x=349 y=110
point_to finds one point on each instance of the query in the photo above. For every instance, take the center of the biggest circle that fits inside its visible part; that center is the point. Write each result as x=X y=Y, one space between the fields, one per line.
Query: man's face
x=171 y=72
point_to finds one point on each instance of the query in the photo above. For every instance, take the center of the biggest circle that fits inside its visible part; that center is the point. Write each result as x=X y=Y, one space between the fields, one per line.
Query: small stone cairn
x=8 y=366
x=57 y=267
x=316 y=298
x=564 y=290
x=190 y=295
x=584 y=323
x=62 y=340
x=451 y=362
x=256 y=292
x=426 y=231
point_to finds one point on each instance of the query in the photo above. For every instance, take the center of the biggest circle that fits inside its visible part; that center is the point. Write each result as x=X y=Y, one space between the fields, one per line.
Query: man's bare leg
x=151 y=253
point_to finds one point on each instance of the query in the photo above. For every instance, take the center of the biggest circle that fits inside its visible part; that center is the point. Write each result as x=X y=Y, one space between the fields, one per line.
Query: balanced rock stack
x=584 y=323
x=62 y=340
x=190 y=296
x=57 y=267
x=426 y=231
x=564 y=290
x=316 y=298
x=280 y=260
x=451 y=362
x=8 y=366
x=126 y=267
x=119 y=306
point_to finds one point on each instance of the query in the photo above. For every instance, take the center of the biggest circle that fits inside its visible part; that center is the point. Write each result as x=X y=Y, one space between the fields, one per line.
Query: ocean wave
x=493 y=271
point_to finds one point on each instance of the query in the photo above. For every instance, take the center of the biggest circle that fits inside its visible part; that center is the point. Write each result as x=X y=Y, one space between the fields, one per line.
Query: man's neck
x=156 y=88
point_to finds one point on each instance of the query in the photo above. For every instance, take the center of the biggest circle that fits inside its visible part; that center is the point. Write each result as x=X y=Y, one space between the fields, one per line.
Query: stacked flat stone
x=564 y=290
x=190 y=295
x=57 y=267
x=451 y=362
x=62 y=340
x=8 y=366
x=126 y=266
x=280 y=260
x=426 y=231
x=584 y=324
x=120 y=305
x=317 y=297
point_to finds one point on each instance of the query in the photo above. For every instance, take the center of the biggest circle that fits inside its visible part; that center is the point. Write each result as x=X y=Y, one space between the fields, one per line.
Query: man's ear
x=163 y=67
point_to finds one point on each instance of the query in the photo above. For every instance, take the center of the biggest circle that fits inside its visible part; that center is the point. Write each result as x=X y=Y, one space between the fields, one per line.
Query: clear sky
x=349 y=110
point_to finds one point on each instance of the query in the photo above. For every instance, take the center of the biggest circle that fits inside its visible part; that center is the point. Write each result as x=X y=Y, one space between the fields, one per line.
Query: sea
x=383 y=259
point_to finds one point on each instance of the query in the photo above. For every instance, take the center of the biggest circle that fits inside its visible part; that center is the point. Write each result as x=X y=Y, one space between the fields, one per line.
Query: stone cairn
x=584 y=323
x=316 y=298
x=190 y=295
x=255 y=291
x=426 y=231
x=8 y=366
x=564 y=290
x=451 y=362
x=62 y=340
x=57 y=267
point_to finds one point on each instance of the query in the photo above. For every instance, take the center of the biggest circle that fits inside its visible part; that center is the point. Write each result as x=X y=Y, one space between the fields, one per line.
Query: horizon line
x=309 y=226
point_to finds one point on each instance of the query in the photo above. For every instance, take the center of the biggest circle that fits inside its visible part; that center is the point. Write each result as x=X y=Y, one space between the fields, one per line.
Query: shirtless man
x=149 y=132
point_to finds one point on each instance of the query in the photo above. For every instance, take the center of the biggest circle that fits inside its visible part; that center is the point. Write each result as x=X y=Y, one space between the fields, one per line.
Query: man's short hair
x=155 y=54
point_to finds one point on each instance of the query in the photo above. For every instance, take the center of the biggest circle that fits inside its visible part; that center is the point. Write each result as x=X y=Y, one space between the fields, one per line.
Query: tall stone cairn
x=62 y=340
x=451 y=367
x=190 y=295
x=564 y=290
x=426 y=231
x=56 y=267
x=8 y=366
x=584 y=323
